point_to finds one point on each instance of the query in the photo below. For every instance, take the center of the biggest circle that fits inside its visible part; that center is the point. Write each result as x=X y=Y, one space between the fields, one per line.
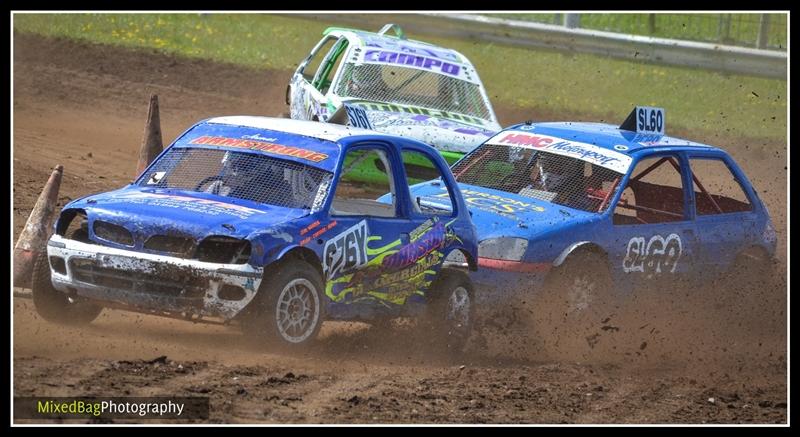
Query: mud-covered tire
x=751 y=280
x=288 y=309
x=450 y=315
x=55 y=306
x=575 y=309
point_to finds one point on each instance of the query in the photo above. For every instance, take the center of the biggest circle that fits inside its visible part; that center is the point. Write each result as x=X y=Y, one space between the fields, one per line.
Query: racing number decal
x=649 y=120
x=357 y=117
x=654 y=256
x=346 y=251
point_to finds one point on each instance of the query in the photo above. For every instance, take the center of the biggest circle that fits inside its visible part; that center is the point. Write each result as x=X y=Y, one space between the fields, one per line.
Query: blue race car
x=596 y=207
x=245 y=219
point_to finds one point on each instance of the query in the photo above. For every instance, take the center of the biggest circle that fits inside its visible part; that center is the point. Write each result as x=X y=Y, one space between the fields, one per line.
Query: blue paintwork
x=276 y=231
x=709 y=243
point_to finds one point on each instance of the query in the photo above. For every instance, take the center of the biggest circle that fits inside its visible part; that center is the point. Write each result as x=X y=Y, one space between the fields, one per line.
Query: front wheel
x=576 y=309
x=289 y=305
x=55 y=306
x=450 y=315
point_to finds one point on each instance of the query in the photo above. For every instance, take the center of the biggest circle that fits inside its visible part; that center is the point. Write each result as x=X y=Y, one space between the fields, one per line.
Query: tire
x=573 y=313
x=289 y=306
x=751 y=280
x=55 y=306
x=450 y=315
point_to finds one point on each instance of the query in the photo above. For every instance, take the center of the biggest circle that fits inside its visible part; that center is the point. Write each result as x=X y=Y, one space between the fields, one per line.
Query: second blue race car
x=590 y=208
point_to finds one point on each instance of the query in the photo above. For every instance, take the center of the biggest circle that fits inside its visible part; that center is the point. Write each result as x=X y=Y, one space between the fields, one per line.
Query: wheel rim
x=581 y=293
x=458 y=309
x=297 y=312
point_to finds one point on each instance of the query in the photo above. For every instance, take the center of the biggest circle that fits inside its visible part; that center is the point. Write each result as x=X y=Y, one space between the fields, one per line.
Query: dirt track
x=84 y=107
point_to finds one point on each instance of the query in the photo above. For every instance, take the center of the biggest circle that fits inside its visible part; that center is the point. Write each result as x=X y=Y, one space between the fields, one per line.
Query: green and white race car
x=394 y=85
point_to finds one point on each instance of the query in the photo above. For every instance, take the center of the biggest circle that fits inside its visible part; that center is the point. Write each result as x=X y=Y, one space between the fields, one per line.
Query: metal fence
x=764 y=31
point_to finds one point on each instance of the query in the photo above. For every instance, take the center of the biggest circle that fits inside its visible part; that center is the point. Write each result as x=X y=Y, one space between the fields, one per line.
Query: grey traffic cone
x=38 y=228
x=151 y=141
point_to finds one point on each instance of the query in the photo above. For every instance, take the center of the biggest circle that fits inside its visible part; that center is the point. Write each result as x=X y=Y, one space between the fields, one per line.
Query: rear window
x=414 y=87
x=241 y=175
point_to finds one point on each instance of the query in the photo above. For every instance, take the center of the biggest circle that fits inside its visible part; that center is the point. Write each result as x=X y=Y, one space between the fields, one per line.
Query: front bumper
x=151 y=282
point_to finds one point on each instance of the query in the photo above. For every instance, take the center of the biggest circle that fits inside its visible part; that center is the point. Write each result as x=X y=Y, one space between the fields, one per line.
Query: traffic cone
x=38 y=228
x=151 y=142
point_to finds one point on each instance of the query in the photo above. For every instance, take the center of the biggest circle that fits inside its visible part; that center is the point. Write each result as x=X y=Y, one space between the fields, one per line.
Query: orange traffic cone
x=151 y=142
x=38 y=228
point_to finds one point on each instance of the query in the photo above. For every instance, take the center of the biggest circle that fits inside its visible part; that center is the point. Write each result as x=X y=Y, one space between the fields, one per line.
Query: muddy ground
x=678 y=356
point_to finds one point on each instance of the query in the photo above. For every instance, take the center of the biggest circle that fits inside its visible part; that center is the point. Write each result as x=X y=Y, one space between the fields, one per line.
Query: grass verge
x=539 y=80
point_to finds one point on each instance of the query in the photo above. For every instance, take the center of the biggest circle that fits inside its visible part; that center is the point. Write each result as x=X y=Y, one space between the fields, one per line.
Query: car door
x=654 y=237
x=724 y=213
x=368 y=262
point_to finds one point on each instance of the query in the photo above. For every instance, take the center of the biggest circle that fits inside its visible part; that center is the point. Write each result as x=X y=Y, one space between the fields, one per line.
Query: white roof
x=314 y=129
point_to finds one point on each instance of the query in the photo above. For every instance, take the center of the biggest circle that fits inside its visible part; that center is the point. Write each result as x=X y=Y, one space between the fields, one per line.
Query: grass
x=539 y=80
x=737 y=29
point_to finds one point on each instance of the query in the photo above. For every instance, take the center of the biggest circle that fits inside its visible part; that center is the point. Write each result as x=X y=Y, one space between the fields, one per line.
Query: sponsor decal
x=432 y=238
x=316 y=233
x=413 y=271
x=493 y=203
x=412 y=60
x=406 y=47
x=346 y=251
x=396 y=270
x=186 y=203
x=586 y=152
x=309 y=228
x=392 y=107
x=657 y=255
x=262 y=146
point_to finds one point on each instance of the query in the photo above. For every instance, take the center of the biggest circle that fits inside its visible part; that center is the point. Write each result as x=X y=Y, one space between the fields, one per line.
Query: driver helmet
x=556 y=171
x=240 y=169
x=362 y=80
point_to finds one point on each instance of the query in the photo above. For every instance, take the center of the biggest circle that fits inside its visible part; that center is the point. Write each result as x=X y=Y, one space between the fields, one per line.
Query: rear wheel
x=289 y=306
x=751 y=280
x=55 y=306
x=450 y=314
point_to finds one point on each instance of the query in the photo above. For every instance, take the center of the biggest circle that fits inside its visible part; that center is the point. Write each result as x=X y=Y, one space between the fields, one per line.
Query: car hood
x=445 y=132
x=145 y=212
x=501 y=214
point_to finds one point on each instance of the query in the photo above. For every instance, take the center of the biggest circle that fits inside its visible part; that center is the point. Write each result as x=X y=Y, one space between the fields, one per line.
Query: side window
x=356 y=198
x=654 y=193
x=716 y=189
x=420 y=167
x=316 y=58
x=329 y=67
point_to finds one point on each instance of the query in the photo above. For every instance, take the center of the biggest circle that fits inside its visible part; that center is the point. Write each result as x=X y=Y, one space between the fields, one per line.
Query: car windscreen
x=414 y=87
x=540 y=175
x=242 y=175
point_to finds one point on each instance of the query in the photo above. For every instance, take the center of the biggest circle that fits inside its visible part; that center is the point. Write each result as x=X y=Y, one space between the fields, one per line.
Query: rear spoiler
x=398 y=31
